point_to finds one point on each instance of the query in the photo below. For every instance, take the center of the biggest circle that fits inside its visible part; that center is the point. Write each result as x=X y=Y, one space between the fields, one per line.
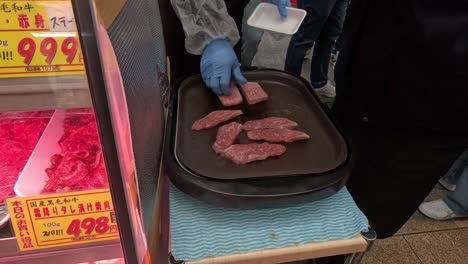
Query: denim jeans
x=321 y=26
x=339 y=41
x=458 y=175
x=236 y=9
x=338 y=44
x=251 y=36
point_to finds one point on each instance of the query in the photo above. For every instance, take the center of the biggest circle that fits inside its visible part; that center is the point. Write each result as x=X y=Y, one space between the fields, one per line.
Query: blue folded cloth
x=200 y=230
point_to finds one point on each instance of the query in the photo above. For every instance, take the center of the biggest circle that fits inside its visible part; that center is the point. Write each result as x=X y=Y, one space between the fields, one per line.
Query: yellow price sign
x=23 y=15
x=40 y=54
x=57 y=220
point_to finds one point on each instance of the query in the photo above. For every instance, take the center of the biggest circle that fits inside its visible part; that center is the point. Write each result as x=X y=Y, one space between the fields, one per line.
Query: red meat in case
x=246 y=153
x=80 y=164
x=26 y=115
x=108 y=261
x=254 y=93
x=226 y=136
x=7 y=184
x=68 y=173
x=19 y=134
x=234 y=98
x=215 y=118
x=269 y=122
x=277 y=135
x=98 y=176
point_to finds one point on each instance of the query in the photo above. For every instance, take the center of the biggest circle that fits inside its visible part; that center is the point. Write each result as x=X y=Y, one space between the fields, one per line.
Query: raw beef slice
x=215 y=118
x=226 y=136
x=80 y=164
x=234 y=98
x=270 y=122
x=245 y=153
x=254 y=93
x=19 y=134
x=277 y=135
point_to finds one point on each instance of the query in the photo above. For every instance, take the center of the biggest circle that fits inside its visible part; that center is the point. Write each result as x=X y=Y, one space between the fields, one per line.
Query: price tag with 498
x=80 y=227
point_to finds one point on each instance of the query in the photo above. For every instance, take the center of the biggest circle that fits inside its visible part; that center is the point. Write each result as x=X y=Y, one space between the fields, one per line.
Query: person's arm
x=204 y=21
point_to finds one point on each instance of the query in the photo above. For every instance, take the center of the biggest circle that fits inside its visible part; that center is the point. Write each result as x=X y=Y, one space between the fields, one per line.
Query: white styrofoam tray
x=266 y=16
x=33 y=177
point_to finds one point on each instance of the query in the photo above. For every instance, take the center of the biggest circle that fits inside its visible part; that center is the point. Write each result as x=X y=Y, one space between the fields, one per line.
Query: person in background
x=402 y=79
x=338 y=44
x=455 y=204
x=211 y=32
x=322 y=27
x=251 y=36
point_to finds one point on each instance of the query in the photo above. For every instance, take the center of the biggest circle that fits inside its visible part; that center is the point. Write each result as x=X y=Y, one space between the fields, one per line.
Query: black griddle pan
x=310 y=169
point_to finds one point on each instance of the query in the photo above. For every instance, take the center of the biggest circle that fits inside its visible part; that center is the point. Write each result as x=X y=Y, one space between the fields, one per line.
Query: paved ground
x=424 y=241
x=421 y=240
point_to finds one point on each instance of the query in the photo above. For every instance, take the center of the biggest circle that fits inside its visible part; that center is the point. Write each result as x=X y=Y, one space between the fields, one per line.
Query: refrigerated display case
x=94 y=126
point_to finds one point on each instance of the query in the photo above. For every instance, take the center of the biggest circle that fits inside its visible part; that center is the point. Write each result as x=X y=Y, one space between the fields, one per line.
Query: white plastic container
x=33 y=177
x=267 y=17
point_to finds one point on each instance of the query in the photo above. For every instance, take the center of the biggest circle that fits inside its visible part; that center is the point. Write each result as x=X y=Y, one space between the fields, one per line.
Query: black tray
x=310 y=169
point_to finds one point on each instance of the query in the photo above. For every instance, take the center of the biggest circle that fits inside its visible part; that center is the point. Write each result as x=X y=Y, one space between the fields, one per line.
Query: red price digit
x=69 y=48
x=88 y=224
x=74 y=228
x=49 y=49
x=102 y=225
x=26 y=48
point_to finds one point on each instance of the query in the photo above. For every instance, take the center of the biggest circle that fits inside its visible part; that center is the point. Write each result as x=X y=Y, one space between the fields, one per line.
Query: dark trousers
x=235 y=9
x=338 y=45
x=396 y=169
x=321 y=26
x=339 y=41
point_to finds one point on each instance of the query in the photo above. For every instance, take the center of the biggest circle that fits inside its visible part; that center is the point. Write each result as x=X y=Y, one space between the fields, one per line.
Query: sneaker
x=328 y=90
x=438 y=210
x=447 y=185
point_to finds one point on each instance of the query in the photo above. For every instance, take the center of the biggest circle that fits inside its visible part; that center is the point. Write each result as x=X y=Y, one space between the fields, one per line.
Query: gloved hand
x=281 y=4
x=217 y=64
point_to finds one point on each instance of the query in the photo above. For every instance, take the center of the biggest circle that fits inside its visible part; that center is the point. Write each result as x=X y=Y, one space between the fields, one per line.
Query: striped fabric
x=199 y=230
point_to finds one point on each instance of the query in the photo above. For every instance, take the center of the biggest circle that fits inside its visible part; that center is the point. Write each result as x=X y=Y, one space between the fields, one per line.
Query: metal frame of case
x=37 y=98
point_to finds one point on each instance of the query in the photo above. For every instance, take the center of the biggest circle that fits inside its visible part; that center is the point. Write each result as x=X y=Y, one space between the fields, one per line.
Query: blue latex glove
x=281 y=4
x=217 y=64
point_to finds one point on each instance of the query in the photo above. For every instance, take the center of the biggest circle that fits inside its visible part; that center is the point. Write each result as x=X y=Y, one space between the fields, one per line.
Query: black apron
x=183 y=64
x=402 y=97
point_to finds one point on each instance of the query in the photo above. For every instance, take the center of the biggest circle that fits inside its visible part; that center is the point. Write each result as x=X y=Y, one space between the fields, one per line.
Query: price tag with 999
x=40 y=54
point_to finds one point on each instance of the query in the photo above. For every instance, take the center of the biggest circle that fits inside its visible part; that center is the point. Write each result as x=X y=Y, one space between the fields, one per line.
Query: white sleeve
x=203 y=21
